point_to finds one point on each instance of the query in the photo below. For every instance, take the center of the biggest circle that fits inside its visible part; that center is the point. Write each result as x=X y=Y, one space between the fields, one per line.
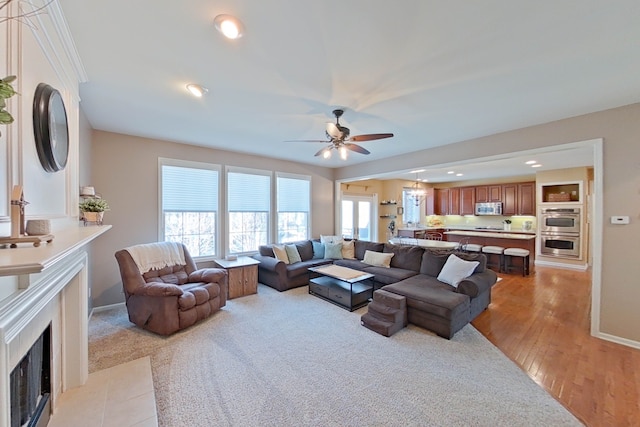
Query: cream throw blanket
x=154 y=256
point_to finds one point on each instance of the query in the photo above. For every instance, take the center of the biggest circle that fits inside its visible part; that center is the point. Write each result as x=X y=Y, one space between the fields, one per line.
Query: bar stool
x=509 y=253
x=465 y=246
x=494 y=252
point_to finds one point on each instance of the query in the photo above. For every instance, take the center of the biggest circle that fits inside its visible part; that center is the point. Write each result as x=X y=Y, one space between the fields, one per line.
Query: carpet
x=276 y=359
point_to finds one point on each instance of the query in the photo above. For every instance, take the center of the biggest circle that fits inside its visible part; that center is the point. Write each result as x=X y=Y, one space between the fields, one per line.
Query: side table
x=242 y=274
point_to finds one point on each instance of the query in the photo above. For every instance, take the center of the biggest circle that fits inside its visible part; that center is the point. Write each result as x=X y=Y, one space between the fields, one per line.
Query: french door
x=358 y=217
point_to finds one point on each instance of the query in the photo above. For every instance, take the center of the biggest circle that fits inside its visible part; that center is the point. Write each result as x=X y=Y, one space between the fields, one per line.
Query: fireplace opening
x=31 y=385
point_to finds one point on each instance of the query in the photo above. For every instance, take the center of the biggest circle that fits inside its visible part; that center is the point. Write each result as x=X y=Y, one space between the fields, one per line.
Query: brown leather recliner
x=172 y=298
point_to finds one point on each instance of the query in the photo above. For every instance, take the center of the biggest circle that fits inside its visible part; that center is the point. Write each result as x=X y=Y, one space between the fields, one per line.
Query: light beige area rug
x=291 y=359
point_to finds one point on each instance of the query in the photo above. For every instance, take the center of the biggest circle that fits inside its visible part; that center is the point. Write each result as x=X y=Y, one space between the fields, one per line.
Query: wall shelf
x=388 y=216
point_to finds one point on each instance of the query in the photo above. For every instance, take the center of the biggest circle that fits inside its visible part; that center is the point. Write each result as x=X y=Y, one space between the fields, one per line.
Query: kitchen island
x=504 y=239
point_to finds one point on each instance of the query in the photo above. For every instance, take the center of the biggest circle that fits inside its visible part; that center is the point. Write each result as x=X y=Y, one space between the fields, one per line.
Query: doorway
x=357 y=218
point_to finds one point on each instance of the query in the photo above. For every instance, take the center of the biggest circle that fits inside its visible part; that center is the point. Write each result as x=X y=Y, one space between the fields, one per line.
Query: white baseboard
x=581 y=267
x=618 y=340
x=104 y=308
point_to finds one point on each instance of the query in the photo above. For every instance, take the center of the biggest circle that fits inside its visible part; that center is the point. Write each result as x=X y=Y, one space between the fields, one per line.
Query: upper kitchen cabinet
x=488 y=193
x=467 y=200
x=441 y=201
x=519 y=199
x=454 y=201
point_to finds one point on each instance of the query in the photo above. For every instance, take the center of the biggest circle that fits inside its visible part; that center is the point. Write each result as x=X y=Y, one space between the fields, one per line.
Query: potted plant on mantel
x=93 y=209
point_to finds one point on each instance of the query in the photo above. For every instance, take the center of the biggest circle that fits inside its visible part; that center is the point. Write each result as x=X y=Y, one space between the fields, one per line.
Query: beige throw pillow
x=281 y=253
x=377 y=259
x=348 y=250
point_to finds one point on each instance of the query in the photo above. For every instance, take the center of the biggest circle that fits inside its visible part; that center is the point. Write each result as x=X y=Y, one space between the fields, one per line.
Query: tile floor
x=119 y=396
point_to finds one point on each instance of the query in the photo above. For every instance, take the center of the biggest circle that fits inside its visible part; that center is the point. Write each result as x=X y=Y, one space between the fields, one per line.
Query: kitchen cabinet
x=441 y=201
x=527 y=198
x=467 y=200
x=454 y=201
x=518 y=199
x=488 y=193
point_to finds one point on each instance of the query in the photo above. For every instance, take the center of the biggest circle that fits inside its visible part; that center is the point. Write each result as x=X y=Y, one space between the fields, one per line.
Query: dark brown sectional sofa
x=413 y=273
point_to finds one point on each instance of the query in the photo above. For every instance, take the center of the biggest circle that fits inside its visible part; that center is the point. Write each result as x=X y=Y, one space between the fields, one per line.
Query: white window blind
x=248 y=192
x=293 y=194
x=189 y=190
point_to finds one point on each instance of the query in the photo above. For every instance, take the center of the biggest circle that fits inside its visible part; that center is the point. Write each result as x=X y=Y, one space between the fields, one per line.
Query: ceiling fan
x=339 y=139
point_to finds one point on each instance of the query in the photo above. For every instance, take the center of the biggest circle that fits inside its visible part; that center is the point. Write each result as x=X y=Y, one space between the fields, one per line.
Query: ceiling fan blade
x=333 y=131
x=370 y=137
x=356 y=148
x=323 y=150
x=307 y=140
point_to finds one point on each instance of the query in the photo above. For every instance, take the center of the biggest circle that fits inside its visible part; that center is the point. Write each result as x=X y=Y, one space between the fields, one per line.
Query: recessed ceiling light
x=418 y=171
x=197 y=90
x=229 y=26
x=530 y=162
x=458 y=174
x=537 y=165
x=450 y=172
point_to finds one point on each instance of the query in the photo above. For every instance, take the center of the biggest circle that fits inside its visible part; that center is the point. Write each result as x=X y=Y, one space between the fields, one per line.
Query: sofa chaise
x=412 y=272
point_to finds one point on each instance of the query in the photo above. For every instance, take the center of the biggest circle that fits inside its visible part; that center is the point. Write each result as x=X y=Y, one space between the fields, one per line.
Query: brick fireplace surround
x=49 y=287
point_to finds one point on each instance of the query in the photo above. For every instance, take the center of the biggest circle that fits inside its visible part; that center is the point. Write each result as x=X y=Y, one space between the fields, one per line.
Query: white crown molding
x=69 y=45
x=58 y=45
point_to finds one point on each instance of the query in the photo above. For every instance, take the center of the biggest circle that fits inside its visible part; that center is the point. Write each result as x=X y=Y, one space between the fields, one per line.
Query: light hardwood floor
x=542 y=323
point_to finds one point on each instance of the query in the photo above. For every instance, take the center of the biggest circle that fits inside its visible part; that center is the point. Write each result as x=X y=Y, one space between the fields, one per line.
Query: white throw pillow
x=348 y=250
x=281 y=253
x=377 y=259
x=456 y=269
x=330 y=239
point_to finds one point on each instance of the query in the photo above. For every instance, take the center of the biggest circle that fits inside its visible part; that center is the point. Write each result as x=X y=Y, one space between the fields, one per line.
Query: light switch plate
x=619 y=220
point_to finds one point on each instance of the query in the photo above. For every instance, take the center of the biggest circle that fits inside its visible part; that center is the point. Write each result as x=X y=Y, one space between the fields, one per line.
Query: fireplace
x=43 y=301
x=31 y=385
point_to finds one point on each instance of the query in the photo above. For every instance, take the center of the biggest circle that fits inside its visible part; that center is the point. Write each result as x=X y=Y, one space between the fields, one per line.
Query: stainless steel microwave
x=490 y=208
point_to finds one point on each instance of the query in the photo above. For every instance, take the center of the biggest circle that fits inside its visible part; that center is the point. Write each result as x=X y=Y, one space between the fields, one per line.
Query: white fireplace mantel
x=25 y=259
x=52 y=289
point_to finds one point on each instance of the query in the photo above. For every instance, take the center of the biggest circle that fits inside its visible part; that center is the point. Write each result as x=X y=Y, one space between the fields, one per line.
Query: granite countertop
x=468 y=228
x=500 y=235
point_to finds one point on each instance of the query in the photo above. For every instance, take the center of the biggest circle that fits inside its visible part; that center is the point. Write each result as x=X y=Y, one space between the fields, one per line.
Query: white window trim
x=164 y=161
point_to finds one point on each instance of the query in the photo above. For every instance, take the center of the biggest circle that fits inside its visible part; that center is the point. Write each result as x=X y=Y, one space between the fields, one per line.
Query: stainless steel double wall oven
x=560 y=229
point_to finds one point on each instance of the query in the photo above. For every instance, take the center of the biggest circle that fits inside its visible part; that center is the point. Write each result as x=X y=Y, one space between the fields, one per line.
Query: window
x=189 y=201
x=293 y=206
x=411 y=203
x=248 y=204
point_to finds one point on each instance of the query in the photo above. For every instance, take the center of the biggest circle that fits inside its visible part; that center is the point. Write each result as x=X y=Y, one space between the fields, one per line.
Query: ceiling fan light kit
x=230 y=26
x=340 y=139
x=197 y=90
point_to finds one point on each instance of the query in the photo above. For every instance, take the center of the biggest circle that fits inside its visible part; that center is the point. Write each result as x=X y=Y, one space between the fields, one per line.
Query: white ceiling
x=431 y=72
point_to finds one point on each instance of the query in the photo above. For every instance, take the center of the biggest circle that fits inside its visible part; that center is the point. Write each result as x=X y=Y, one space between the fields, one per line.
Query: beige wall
x=620 y=129
x=124 y=169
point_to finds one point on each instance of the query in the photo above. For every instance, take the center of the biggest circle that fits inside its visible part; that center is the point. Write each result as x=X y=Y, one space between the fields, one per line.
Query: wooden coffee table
x=343 y=286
